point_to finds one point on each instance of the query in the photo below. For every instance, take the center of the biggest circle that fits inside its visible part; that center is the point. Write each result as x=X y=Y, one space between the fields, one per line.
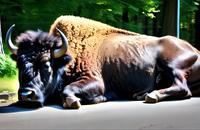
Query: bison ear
x=14 y=57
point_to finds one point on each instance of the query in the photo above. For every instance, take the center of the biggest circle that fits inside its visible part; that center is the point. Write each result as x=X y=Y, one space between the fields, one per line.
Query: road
x=184 y=114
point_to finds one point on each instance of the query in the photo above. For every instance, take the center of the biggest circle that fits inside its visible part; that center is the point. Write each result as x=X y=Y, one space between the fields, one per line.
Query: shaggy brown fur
x=85 y=36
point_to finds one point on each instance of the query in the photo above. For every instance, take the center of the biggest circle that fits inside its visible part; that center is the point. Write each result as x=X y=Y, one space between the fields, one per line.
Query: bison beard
x=102 y=63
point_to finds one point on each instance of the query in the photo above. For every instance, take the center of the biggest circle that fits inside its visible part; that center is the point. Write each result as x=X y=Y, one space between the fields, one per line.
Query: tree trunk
x=125 y=17
x=169 y=17
x=1 y=42
x=146 y=21
x=197 y=30
x=155 y=25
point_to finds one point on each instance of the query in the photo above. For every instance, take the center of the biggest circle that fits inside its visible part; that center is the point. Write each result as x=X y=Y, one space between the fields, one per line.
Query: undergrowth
x=7 y=67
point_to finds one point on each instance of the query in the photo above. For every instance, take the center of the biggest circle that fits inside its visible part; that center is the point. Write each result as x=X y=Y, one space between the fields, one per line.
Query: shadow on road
x=15 y=107
x=19 y=107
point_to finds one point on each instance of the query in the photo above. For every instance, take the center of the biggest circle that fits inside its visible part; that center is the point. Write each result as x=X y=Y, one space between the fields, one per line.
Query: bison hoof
x=151 y=97
x=71 y=103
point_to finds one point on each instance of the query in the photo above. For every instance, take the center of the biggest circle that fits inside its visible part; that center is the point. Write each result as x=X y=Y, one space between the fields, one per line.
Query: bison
x=81 y=61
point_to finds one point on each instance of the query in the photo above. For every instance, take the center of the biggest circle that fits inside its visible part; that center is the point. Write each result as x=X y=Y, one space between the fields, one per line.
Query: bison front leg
x=180 y=69
x=69 y=99
x=85 y=90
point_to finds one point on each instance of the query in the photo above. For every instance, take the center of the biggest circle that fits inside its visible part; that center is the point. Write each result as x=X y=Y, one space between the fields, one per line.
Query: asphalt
x=182 y=114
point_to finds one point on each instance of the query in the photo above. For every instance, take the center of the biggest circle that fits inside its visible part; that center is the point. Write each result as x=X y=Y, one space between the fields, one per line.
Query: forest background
x=152 y=17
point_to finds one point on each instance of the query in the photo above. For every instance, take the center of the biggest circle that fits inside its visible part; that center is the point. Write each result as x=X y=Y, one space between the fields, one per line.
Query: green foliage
x=145 y=7
x=7 y=67
x=187 y=21
x=35 y=14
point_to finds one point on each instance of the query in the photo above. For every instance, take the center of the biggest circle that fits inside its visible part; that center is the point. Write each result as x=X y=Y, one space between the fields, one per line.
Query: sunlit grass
x=7 y=67
x=8 y=74
x=9 y=84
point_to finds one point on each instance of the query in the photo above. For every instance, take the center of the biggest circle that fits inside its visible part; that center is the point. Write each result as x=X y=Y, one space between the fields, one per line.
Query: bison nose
x=29 y=97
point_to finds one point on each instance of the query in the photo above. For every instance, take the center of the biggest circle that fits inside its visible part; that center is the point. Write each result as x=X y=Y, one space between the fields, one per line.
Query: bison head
x=40 y=59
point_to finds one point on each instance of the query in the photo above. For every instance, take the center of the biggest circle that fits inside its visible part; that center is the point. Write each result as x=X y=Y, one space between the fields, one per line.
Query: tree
x=197 y=25
x=6 y=18
x=143 y=16
x=1 y=41
x=169 y=17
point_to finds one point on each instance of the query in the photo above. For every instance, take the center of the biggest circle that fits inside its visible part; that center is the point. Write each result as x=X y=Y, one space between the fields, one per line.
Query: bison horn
x=9 y=42
x=61 y=51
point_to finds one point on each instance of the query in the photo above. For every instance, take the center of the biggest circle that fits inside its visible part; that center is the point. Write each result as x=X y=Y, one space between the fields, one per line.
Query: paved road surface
x=122 y=115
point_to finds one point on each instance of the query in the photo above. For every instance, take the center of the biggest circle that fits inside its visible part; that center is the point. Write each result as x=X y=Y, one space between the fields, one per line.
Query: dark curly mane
x=37 y=38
